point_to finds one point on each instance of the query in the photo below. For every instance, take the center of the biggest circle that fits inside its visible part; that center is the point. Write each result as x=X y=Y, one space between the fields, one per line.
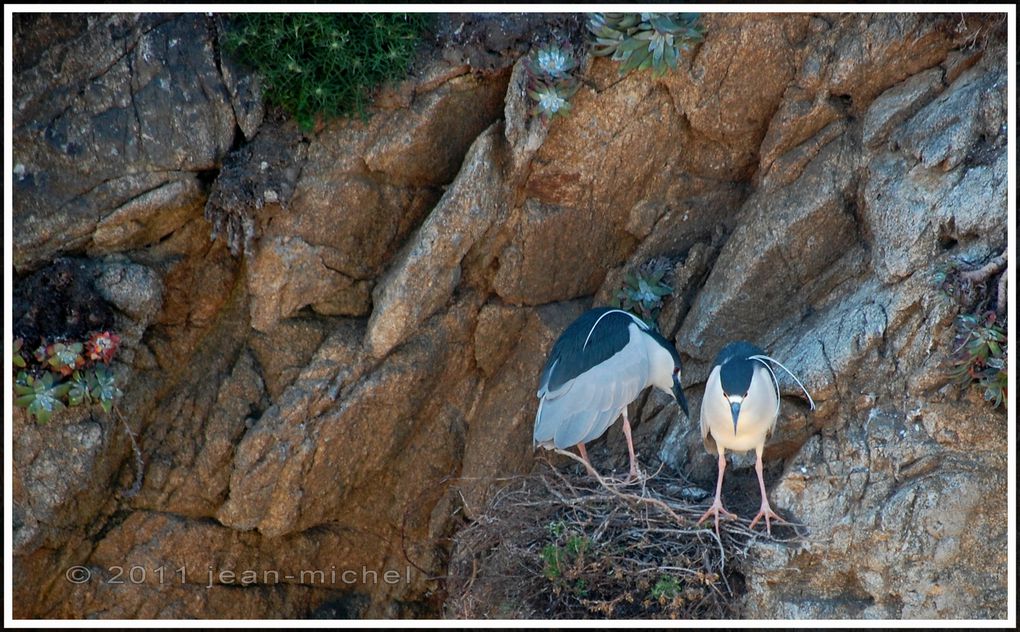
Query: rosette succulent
x=643 y=292
x=550 y=80
x=981 y=356
x=65 y=358
x=553 y=62
x=101 y=346
x=40 y=396
x=645 y=40
x=66 y=373
x=103 y=387
x=551 y=100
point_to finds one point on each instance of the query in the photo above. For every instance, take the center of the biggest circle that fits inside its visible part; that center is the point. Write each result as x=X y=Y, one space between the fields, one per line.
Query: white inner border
x=438 y=8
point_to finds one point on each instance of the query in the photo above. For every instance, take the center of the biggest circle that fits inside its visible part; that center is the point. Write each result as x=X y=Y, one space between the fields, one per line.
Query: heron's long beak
x=678 y=394
x=735 y=409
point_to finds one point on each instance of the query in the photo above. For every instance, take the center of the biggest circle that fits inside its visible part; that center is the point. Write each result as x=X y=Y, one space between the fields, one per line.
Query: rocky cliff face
x=346 y=389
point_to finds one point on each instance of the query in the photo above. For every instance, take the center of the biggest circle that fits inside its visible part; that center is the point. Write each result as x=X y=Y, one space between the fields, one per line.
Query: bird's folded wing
x=583 y=408
x=711 y=387
x=589 y=341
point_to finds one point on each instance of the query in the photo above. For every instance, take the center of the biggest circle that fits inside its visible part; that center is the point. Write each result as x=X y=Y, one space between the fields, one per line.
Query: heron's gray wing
x=628 y=385
x=582 y=409
x=593 y=338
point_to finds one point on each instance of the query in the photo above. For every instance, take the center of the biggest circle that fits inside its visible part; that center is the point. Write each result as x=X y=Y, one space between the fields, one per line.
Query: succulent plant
x=981 y=356
x=103 y=387
x=550 y=80
x=101 y=346
x=643 y=292
x=23 y=378
x=552 y=61
x=66 y=373
x=40 y=354
x=551 y=99
x=645 y=40
x=65 y=358
x=80 y=391
x=40 y=396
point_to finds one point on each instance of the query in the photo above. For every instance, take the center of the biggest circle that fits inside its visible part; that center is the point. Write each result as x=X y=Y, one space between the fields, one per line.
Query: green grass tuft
x=324 y=63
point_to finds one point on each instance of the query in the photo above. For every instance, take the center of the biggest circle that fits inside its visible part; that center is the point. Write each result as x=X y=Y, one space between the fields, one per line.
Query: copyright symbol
x=78 y=574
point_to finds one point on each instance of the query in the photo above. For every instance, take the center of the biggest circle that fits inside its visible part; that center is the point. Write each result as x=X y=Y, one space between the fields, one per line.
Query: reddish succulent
x=66 y=373
x=65 y=358
x=101 y=346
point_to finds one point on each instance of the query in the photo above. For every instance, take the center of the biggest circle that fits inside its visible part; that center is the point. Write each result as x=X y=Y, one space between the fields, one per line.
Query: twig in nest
x=630 y=497
x=553 y=545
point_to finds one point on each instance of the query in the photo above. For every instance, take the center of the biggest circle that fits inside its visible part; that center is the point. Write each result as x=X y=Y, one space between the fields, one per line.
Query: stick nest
x=553 y=545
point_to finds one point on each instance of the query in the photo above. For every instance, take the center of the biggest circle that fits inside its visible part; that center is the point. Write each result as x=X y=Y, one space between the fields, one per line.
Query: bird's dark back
x=570 y=356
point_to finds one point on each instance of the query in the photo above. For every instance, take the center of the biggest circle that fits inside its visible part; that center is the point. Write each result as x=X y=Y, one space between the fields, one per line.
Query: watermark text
x=209 y=576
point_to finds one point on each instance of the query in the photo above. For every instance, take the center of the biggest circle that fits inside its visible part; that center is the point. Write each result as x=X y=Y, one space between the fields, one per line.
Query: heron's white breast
x=757 y=412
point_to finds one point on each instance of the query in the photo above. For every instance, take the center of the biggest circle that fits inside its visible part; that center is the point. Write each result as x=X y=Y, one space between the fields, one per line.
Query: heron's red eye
x=676 y=370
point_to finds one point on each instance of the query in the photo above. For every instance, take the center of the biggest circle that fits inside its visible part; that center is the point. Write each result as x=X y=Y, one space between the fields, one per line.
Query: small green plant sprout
x=40 y=396
x=645 y=40
x=666 y=589
x=980 y=357
x=551 y=100
x=552 y=556
x=324 y=64
x=577 y=545
x=556 y=528
x=643 y=292
x=65 y=358
x=563 y=559
x=580 y=588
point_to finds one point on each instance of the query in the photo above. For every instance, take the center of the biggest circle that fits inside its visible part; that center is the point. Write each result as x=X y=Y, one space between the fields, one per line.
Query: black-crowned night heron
x=598 y=366
x=738 y=412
